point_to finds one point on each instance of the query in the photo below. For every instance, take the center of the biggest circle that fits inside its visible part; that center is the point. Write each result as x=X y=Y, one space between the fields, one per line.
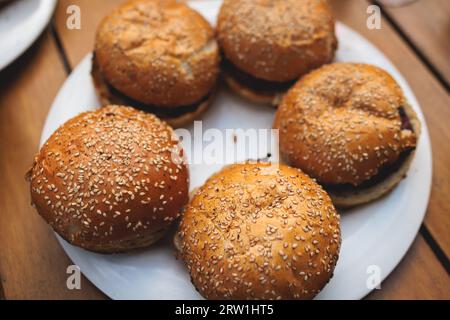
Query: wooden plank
x=418 y=276
x=78 y=43
x=433 y=99
x=32 y=263
x=426 y=24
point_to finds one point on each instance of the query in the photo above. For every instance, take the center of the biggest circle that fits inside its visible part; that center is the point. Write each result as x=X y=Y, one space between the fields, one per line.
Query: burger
x=350 y=127
x=268 y=44
x=259 y=231
x=110 y=180
x=159 y=56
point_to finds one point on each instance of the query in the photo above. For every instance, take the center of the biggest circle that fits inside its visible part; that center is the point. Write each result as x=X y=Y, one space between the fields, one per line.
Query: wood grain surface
x=418 y=276
x=78 y=43
x=33 y=265
x=426 y=23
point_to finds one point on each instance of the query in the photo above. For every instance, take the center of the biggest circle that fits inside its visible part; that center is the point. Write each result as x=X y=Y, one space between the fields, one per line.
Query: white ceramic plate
x=21 y=22
x=376 y=234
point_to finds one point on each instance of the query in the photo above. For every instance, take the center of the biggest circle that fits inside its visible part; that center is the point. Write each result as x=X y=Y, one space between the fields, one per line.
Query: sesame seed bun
x=259 y=231
x=175 y=117
x=106 y=180
x=276 y=40
x=158 y=52
x=350 y=127
x=349 y=197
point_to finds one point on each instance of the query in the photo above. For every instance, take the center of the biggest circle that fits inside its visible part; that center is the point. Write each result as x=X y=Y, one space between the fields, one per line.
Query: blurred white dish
x=21 y=23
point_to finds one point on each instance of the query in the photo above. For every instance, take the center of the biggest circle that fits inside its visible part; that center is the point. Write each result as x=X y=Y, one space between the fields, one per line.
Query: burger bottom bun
x=354 y=197
x=257 y=96
x=177 y=242
x=108 y=97
x=125 y=245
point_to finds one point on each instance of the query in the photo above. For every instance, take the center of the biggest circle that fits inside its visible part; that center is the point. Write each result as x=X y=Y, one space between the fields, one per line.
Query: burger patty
x=384 y=171
x=161 y=112
x=382 y=174
x=255 y=84
x=116 y=97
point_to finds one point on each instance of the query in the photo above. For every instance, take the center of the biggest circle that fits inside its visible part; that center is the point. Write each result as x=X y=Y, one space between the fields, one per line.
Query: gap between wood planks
x=61 y=52
x=436 y=73
x=432 y=243
x=440 y=255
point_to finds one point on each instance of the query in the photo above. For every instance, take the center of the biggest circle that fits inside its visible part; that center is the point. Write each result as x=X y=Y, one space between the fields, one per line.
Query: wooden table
x=32 y=263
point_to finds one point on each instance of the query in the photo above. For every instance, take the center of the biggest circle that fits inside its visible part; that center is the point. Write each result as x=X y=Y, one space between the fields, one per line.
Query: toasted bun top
x=158 y=52
x=276 y=40
x=108 y=175
x=260 y=231
x=341 y=123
